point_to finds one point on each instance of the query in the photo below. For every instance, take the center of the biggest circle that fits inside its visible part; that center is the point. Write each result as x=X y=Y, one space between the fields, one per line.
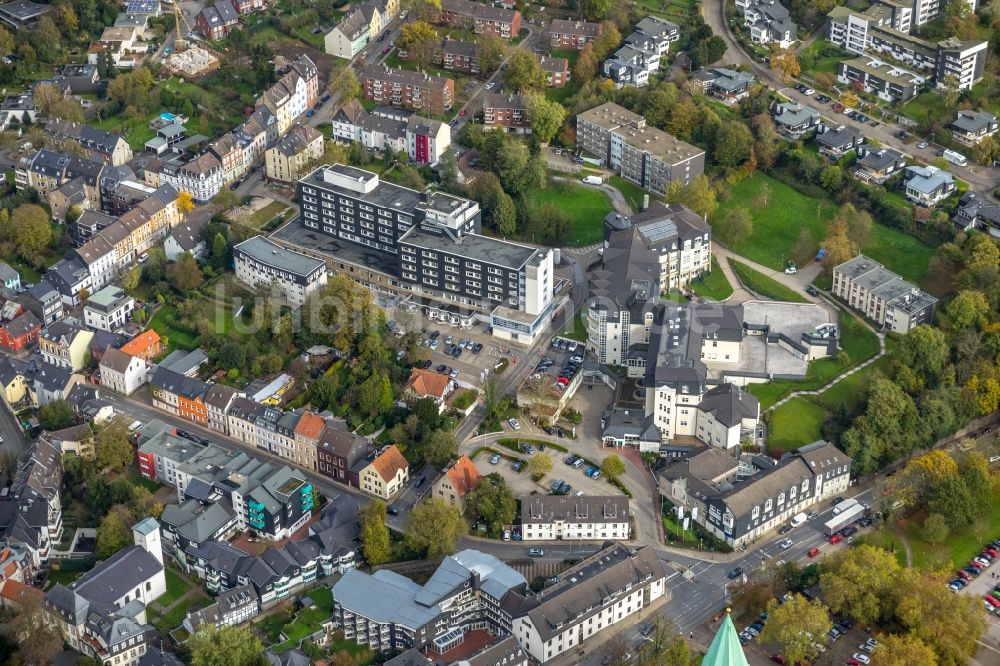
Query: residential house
x=230 y=155
x=308 y=432
x=793 y=120
x=837 y=142
x=458 y=56
x=413 y=90
x=349 y=36
x=293 y=94
x=146 y=345
x=179 y=395
x=385 y=475
x=216 y=21
x=218 y=400
x=166 y=138
x=882 y=296
x=64 y=345
x=188 y=238
x=338 y=451
x=876 y=164
x=122 y=373
x=43 y=301
x=21 y=331
x=122 y=44
x=22 y=13
x=78 y=439
x=729 y=85
x=970 y=127
x=49 y=383
x=587 y=518
x=481 y=19
x=457 y=482
x=927 y=185
x=231 y=608
x=202 y=177
x=769 y=23
x=977 y=212
x=570 y=34
x=426 y=384
x=109 y=309
x=106 y=146
x=509 y=112
x=422 y=140
x=286 y=160
x=556 y=70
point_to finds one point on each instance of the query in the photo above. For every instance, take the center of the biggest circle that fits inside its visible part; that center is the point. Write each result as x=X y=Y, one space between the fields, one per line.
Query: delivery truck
x=843 y=519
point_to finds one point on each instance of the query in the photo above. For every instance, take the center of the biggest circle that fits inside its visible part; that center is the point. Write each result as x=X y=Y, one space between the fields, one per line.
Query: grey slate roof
x=729 y=404
x=116 y=576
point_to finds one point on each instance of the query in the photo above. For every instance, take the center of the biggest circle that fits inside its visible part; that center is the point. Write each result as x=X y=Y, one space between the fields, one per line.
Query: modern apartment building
x=411 y=90
x=881 y=295
x=646 y=156
x=889 y=82
x=426 y=244
x=971 y=127
x=109 y=309
x=259 y=262
x=883 y=30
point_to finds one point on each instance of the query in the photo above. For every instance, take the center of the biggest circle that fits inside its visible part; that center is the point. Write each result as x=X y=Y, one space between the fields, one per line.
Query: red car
x=964 y=575
x=461 y=114
x=991 y=600
x=992 y=551
x=835 y=538
x=386 y=50
x=853 y=662
x=813 y=552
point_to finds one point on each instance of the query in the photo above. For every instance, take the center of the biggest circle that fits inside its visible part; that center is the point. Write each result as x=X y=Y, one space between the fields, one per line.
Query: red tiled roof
x=389 y=463
x=17 y=592
x=140 y=343
x=426 y=383
x=463 y=476
x=310 y=425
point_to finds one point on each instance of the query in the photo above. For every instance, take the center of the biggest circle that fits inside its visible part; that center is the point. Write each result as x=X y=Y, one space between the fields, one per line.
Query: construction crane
x=179 y=43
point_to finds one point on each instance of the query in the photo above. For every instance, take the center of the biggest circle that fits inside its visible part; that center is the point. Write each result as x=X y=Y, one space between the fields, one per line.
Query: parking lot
x=556 y=368
x=476 y=352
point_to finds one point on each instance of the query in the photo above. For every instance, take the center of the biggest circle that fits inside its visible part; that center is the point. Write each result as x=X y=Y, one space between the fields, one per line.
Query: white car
x=808 y=92
x=786 y=544
x=862 y=657
x=514 y=423
x=790 y=270
x=489 y=86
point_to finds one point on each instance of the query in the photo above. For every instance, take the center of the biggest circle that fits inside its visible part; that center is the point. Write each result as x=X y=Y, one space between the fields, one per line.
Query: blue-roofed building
x=927 y=185
x=143 y=7
x=388 y=611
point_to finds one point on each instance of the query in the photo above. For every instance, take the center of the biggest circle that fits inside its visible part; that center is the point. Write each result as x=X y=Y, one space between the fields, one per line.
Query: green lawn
x=308 y=621
x=777 y=226
x=827 y=57
x=578 y=331
x=264 y=215
x=560 y=95
x=924 y=104
x=63 y=577
x=176 y=588
x=796 y=423
x=851 y=390
x=761 y=284
x=135 y=130
x=176 y=337
x=173 y=617
x=713 y=286
x=585 y=206
x=633 y=193
x=886 y=540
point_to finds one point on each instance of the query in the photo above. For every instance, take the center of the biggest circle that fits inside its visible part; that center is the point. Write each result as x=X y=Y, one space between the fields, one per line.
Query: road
x=981 y=179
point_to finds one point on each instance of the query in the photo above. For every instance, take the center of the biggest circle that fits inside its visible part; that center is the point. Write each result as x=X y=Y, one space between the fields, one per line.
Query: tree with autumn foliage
x=185 y=202
x=786 y=63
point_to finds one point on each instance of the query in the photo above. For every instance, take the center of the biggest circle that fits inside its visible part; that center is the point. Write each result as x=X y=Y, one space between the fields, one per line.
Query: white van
x=135 y=425
x=798 y=519
x=954 y=157
x=593 y=180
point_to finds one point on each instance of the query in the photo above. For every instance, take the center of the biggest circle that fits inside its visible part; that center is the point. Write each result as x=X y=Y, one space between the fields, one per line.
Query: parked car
x=506 y=535
x=517 y=466
x=495 y=459
x=812 y=291
x=535 y=552
x=514 y=423
x=922 y=145
x=571 y=460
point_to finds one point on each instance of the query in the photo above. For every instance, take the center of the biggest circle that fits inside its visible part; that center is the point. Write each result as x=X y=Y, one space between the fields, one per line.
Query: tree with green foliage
x=359 y=155
x=524 y=73
x=613 y=466
x=699 y=195
x=498 y=208
x=585 y=68
x=225 y=646
x=969 y=309
x=113 y=446
x=440 y=448
x=345 y=86
x=434 y=527
x=374 y=533
x=491 y=50
x=861 y=582
x=595 y=10
x=546 y=117
x=831 y=178
x=185 y=273
x=28 y=230
x=609 y=40
x=935 y=529
x=733 y=143
x=56 y=415
x=493 y=502
x=733 y=226
x=419 y=39
x=114 y=532
x=540 y=464
x=796 y=625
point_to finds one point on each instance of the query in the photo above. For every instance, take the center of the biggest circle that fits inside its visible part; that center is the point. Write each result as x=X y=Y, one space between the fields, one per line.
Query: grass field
x=307 y=622
x=578 y=331
x=825 y=63
x=176 y=337
x=633 y=193
x=176 y=588
x=796 y=423
x=264 y=215
x=761 y=284
x=585 y=206
x=560 y=95
x=777 y=226
x=135 y=130
x=713 y=286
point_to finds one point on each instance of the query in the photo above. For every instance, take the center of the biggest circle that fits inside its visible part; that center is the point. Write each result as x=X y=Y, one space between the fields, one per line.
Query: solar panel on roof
x=658 y=231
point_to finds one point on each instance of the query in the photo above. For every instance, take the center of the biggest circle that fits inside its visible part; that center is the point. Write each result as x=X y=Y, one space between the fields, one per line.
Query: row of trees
x=433 y=529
